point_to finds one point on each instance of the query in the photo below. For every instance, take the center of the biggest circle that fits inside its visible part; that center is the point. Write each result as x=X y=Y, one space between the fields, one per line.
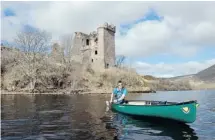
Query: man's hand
x=114 y=101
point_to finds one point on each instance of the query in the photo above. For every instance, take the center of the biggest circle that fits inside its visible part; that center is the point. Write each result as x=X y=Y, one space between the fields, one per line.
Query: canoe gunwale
x=167 y=103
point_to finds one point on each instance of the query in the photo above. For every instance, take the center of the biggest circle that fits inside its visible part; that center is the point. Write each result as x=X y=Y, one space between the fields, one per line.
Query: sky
x=163 y=39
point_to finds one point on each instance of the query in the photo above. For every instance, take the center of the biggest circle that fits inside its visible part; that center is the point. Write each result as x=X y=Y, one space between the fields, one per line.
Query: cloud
x=67 y=17
x=171 y=35
x=202 y=33
x=13 y=24
x=171 y=70
x=150 y=28
x=144 y=39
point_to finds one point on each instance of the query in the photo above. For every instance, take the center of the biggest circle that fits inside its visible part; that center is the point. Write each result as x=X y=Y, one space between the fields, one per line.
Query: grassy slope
x=54 y=74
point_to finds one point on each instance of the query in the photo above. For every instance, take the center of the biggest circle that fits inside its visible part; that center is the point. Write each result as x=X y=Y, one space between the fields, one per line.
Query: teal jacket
x=118 y=94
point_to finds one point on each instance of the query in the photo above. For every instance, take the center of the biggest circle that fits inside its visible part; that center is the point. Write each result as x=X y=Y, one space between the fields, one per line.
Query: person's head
x=120 y=85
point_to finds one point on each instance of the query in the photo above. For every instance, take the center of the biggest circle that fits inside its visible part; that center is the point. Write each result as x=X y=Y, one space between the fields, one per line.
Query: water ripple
x=47 y=117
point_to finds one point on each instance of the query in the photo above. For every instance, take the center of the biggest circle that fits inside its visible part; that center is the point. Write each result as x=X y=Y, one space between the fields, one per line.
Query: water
x=81 y=117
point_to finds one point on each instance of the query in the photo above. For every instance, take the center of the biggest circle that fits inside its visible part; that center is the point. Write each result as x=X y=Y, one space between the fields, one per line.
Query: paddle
x=107 y=105
x=108 y=102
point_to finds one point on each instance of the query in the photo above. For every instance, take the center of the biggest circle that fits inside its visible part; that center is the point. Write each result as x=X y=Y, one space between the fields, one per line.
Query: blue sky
x=157 y=38
x=150 y=15
x=7 y=12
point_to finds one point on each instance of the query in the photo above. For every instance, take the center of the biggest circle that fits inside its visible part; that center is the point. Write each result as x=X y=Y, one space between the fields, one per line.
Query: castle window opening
x=92 y=60
x=88 y=42
x=107 y=66
x=96 y=52
x=96 y=40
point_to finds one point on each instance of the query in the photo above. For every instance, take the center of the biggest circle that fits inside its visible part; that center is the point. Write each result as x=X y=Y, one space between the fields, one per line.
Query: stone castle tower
x=96 y=49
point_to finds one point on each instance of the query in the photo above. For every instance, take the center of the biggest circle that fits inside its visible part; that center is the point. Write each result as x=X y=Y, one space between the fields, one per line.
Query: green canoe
x=184 y=111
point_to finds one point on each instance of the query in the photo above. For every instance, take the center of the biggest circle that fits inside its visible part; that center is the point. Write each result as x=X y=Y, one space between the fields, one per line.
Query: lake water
x=83 y=117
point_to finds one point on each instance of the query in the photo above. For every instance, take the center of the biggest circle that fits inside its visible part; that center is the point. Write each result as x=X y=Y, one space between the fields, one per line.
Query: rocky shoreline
x=77 y=91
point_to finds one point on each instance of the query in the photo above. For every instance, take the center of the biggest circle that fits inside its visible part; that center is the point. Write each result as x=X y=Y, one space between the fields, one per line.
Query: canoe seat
x=138 y=103
x=148 y=103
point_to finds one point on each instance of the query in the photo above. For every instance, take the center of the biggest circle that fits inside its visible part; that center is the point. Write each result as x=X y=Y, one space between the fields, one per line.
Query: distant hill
x=149 y=77
x=180 y=77
x=204 y=79
x=207 y=75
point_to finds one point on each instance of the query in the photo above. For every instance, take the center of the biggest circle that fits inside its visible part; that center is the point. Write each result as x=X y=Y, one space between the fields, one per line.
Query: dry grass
x=169 y=85
x=55 y=75
x=202 y=85
x=108 y=78
x=149 y=77
x=61 y=75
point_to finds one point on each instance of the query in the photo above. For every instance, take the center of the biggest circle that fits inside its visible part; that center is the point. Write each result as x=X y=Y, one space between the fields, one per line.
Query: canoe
x=183 y=111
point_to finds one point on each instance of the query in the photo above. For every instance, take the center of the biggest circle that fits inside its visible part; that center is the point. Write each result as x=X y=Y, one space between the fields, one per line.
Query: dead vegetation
x=31 y=68
x=169 y=85
x=54 y=75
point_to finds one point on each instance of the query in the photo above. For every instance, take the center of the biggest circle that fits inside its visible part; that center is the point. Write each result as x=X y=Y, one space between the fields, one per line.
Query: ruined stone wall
x=106 y=35
x=100 y=49
x=86 y=57
x=96 y=49
x=96 y=59
x=109 y=48
x=76 y=48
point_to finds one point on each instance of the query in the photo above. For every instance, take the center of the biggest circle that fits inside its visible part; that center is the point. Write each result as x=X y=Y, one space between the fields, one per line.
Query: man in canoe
x=119 y=93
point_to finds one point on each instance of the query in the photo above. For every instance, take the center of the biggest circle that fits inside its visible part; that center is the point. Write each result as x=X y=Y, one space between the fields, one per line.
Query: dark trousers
x=124 y=101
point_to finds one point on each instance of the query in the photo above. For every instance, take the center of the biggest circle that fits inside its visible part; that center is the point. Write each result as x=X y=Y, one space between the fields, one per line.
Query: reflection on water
x=52 y=117
x=133 y=128
x=81 y=117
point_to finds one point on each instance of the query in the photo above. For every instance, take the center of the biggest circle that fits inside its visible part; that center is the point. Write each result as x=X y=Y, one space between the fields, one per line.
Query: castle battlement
x=80 y=34
x=110 y=27
x=93 y=34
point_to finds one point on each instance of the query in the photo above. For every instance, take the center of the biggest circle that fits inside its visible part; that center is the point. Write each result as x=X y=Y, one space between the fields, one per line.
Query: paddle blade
x=107 y=103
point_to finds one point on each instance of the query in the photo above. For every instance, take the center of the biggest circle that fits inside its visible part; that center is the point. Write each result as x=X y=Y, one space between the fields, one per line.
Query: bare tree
x=33 y=46
x=66 y=42
x=75 y=69
x=120 y=60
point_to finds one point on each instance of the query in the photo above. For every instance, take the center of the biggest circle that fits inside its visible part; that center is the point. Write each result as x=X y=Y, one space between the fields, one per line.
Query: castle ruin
x=96 y=49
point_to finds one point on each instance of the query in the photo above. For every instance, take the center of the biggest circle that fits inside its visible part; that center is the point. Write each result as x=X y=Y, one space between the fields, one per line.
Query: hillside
x=207 y=75
x=204 y=79
x=54 y=73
